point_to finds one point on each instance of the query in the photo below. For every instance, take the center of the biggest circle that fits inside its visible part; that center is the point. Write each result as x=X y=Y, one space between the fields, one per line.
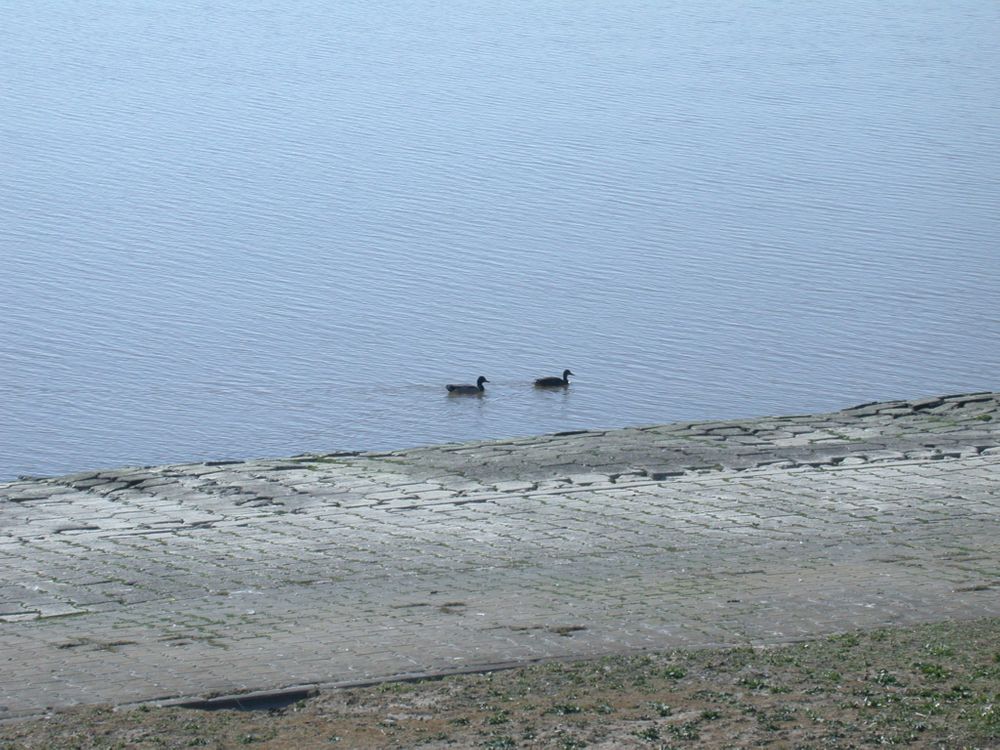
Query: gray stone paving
x=190 y=580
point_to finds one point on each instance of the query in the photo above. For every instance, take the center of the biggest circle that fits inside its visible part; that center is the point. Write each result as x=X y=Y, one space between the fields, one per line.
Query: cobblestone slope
x=189 y=580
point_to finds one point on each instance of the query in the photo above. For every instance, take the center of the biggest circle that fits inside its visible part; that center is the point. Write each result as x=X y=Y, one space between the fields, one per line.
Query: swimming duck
x=468 y=390
x=554 y=382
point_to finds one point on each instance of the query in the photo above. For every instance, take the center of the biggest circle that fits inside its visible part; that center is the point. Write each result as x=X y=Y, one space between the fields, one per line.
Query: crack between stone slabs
x=825 y=467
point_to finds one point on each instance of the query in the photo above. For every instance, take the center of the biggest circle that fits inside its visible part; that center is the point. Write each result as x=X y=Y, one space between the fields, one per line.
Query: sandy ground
x=931 y=686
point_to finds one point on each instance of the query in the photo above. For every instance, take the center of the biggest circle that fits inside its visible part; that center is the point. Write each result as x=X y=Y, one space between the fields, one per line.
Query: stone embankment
x=191 y=580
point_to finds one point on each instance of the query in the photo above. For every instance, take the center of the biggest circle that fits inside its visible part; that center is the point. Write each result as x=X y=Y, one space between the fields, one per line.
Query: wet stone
x=588 y=479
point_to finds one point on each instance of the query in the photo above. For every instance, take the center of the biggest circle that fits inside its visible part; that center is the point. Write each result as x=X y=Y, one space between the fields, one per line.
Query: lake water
x=235 y=228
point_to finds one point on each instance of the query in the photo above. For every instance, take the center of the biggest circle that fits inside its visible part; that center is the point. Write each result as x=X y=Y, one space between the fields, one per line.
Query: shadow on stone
x=252 y=701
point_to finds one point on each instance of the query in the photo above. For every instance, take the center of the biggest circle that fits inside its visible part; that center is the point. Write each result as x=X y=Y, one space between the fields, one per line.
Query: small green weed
x=661 y=708
x=564 y=709
x=884 y=677
x=687 y=731
x=754 y=683
x=849 y=640
x=649 y=733
x=932 y=671
x=939 y=649
x=502 y=742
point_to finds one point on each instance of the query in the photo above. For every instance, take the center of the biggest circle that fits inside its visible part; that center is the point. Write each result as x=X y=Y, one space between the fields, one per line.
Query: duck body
x=468 y=390
x=553 y=382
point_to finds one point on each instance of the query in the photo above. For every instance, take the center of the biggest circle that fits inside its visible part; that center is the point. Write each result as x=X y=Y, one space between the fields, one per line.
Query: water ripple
x=238 y=229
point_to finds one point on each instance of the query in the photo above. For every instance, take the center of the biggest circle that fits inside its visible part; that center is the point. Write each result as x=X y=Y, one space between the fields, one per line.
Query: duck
x=553 y=382
x=468 y=390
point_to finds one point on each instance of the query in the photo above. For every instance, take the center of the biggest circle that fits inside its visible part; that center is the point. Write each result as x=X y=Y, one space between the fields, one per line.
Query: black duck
x=553 y=382
x=468 y=390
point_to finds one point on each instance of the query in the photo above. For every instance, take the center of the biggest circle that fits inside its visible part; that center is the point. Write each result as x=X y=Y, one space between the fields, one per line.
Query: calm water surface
x=248 y=227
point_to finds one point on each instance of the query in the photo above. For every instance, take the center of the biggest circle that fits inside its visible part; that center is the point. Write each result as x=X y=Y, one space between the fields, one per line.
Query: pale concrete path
x=142 y=584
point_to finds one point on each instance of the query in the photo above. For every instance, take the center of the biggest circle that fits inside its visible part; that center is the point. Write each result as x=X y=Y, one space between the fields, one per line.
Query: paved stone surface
x=154 y=583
